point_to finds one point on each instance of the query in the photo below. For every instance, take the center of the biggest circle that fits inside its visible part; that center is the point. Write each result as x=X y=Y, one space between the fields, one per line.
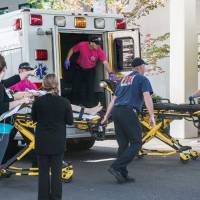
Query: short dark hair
x=97 y=40
x=2 y=63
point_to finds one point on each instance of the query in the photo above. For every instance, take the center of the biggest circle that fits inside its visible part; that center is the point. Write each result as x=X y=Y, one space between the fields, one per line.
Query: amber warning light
x=80 y=22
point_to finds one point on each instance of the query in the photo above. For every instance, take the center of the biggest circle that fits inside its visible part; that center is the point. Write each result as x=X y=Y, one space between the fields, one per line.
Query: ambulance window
x=3 y=10
x=123 y=52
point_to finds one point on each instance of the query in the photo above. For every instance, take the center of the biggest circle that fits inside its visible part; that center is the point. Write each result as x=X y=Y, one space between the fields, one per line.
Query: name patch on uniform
x=127 y=80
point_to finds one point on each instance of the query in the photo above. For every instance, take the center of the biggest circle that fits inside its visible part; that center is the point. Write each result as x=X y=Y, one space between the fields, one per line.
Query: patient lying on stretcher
x=30 y=94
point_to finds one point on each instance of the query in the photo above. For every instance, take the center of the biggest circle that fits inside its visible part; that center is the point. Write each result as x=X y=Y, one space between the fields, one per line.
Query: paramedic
x=50 y=137
x=89 y=54
x=25 y=84
x=133 y=90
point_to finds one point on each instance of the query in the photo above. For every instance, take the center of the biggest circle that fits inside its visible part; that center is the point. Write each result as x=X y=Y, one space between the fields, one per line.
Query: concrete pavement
x=157 y=178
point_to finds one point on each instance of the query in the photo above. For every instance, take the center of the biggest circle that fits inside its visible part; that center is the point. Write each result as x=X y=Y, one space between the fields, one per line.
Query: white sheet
x=85 y=116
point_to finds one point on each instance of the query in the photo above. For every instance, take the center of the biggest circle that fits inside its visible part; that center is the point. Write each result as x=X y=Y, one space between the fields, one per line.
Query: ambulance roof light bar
x=60 y=21
x=80 y=22
x=99 y=23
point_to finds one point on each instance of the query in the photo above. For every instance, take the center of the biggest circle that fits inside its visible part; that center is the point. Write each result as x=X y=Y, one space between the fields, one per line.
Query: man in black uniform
x=133 y=90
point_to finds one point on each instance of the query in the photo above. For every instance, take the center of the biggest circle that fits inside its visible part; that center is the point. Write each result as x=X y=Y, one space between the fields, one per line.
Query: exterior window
x=24 y=5
x=123 y=53
x=3 y=10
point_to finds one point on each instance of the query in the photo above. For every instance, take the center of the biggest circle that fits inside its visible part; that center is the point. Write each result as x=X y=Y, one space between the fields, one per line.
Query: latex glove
x=67 y=64
x=112 y=76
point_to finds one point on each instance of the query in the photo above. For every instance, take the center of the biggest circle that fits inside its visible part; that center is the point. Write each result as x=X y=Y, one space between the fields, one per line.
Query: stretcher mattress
x=183 y=108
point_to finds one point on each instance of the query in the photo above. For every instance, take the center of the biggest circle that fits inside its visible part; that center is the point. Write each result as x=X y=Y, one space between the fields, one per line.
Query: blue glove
x=67 y=64
x=191 y=98
x=112 y=76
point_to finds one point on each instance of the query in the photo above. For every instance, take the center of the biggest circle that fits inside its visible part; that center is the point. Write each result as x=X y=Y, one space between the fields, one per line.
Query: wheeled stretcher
x=165 y=112
x=24 y=125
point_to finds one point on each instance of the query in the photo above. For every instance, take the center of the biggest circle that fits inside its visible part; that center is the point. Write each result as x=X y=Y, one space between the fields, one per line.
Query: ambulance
x=43 y=38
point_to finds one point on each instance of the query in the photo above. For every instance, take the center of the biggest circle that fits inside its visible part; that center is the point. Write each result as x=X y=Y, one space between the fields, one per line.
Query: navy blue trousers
x=128 y=135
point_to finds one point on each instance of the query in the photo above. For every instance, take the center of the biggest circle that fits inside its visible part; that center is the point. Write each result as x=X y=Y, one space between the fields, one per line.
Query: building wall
x=11 y=4
x=157 y=24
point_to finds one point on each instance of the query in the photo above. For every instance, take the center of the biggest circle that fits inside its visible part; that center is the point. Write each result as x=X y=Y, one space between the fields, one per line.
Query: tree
x=153 y=50
x=72 y=5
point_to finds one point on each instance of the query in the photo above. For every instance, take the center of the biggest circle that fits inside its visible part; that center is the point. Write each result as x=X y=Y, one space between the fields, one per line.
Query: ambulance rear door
x=122 y=47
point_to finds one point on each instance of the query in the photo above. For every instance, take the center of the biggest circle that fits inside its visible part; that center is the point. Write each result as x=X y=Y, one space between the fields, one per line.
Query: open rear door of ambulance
x=122 y=47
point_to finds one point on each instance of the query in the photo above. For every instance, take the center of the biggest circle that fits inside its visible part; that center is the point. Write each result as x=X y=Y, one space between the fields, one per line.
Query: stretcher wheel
x=67 y=173
x=194 y=154
x=67 y=180
x=184 y=158
x=5 y=174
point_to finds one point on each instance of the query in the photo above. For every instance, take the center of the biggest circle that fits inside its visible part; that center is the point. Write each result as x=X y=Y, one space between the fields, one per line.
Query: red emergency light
x=120 y=24
x=18 y=24
x=36 y=20
x=41 y=54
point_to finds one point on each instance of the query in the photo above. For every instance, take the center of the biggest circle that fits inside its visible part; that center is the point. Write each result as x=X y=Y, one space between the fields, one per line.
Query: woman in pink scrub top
x=90 y=52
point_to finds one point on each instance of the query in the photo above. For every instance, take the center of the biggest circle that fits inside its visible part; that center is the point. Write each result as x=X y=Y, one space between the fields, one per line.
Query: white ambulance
x=43 y=38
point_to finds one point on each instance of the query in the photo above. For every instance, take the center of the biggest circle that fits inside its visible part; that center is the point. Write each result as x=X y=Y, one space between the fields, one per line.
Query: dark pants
x=50 y=187
x=83 y=86
x=129 y=137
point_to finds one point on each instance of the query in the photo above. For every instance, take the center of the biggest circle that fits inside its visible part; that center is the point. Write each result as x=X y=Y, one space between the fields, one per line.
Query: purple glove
x=112 y=76
x=67 y=64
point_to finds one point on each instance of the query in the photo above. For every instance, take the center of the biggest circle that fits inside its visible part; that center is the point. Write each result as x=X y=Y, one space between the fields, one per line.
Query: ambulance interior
x=67 y=41
x=123 y=51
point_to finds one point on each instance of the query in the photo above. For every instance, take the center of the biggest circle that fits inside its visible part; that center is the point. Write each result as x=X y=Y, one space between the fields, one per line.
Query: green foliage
x=154 y=49
x=36 y=3
x=61 y=4
x=198 y=61
x=143 y=8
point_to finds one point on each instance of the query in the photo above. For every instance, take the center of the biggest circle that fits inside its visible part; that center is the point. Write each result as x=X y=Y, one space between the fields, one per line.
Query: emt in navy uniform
x=133 y=90
x=51 y=112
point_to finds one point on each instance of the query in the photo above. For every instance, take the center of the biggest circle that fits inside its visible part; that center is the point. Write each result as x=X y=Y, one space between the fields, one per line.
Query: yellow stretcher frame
x=22 y=124
x=185 y=152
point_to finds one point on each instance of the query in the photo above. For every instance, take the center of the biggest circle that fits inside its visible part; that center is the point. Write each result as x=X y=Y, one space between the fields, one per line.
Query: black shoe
x=129 y=179
x=117 y=175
